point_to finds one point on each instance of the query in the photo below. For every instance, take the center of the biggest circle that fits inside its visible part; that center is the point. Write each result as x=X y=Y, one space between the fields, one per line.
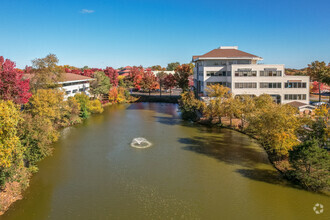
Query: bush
x=95 y=106
x=311 y=166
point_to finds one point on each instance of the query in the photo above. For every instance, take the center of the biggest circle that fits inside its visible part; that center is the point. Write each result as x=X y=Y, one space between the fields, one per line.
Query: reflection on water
x=193 y=172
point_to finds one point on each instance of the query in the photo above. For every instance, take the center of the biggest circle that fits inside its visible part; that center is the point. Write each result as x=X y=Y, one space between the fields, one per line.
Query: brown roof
x=226 y=53
x=74 y=77
x=67 y=77
x=296 y=104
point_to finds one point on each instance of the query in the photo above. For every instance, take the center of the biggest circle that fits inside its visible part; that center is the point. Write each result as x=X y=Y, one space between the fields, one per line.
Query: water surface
x=189 y=172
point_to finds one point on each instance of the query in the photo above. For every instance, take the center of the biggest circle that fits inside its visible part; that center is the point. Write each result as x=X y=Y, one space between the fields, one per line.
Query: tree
x=49 y=104
x=216 y=105
x=218 y=91
x=95 y=106
x=311 y=165
x=320 y=72
x=161 y=78
x=157 y=68
x=46 y=72
x=148 y=81
x=275 y=126
x=101 y=85
x=83 y=101
x=10 y=147
x=172 y=66
x=113 y=75
x=245 y=108
x=169 y=82
x=12 y=85
x=181 y=75
x=37 y=133
x=190 y=106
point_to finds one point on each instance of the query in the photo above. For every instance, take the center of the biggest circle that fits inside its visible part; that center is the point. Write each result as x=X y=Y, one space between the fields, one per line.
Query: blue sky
x=117 y=33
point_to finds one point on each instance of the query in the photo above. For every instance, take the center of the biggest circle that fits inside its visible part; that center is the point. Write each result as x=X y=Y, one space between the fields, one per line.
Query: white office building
x=241 y=72
x=74 y=83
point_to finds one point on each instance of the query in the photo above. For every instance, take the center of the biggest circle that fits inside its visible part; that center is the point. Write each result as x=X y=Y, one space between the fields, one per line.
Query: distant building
x=165 y=71
x=240 y=72
x=72 y=83
x=126 y=71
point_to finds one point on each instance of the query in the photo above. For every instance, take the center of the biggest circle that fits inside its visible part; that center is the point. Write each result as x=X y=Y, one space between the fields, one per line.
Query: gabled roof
x=226 y=53
x=68 y=77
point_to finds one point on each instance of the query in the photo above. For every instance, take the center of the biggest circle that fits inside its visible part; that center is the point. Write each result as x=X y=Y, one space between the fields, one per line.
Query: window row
x=245 y=73
x=68 y=92
x=295 y=85
x=250 y=85
x=270 y=85
x=270 y=73
x=218 y=73
x=295 y=97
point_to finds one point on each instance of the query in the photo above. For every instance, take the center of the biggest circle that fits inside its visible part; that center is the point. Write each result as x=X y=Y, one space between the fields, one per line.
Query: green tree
x=161 y=79
x=172 y=66
x=319 y=72
x=101 y=85
x=84 y=103
x=46 y=72
x=311 y=165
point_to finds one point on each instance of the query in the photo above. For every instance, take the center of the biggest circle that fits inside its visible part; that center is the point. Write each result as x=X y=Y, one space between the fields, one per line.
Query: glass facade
x=295 y=97
x=270 y=85
x=249 y=85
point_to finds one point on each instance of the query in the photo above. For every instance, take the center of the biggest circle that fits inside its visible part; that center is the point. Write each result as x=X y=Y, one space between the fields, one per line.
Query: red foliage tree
x=28 y=69
x=169 y=82
x=135 y=76
x=12 y=86
x=315 y=87
x=148 y=81
x=76 y=71
x=113 y=75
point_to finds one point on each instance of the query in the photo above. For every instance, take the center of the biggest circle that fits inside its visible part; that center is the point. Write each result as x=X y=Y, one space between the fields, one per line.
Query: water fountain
x=140 y=142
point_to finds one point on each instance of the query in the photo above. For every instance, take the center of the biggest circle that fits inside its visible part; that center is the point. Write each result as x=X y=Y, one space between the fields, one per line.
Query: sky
x=100 y=33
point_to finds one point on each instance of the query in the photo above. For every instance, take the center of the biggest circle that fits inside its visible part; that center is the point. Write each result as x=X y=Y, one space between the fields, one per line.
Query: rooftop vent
x=229 y=47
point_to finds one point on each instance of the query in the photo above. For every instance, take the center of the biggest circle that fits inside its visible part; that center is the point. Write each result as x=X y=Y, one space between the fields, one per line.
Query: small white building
x=74 y=83
x=71 y=83
x=240 y=72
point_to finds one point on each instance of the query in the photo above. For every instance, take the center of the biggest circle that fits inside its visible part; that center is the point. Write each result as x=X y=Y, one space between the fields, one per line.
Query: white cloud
x=87 y=11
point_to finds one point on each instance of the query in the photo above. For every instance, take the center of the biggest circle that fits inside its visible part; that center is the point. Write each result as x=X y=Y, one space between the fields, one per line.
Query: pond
x=188 y=172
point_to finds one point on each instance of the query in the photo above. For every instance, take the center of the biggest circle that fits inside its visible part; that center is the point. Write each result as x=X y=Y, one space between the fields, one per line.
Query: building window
x=81 y=89
x=228 y=73
x=245 y=73
x=245 y=85
x=295 y=85
x=270 y=85
x=68 y=92
x=75 y=91
x=270 y=73
x=216 y=73
x=295 y=97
